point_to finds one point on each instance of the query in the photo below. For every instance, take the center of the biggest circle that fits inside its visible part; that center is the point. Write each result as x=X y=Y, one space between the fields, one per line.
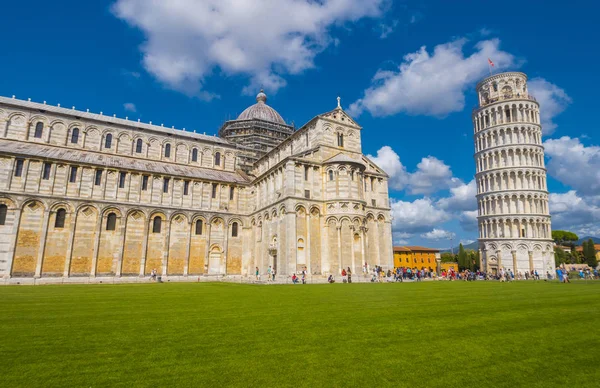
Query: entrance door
x=214 y=263
x=275 y=264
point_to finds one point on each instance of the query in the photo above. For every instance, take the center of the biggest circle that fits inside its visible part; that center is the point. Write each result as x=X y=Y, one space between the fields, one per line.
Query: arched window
x=47 y=170
x=199 y=227
x=111 y=221
x=330 y=175
x=138 y=146
x=340 y=139
x=156 y=224
x=108 y=141
x=195 y=155
x=218 y=159
x=495 y=86
x=39 y=129
x=59 y=222
x=234 y=229
x=167 y=150
x=3 y=211
x=98 y=178
x=75 y=136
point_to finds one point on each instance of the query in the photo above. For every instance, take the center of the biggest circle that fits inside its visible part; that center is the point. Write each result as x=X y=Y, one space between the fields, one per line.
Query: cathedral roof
x=115 y=161
x=343 y=158
x=261 y=111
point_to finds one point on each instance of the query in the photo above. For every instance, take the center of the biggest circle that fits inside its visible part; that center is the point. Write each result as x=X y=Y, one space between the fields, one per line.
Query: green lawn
x=201 y=334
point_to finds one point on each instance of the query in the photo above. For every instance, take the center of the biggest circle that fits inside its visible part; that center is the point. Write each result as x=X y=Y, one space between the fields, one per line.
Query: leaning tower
x=512 y=196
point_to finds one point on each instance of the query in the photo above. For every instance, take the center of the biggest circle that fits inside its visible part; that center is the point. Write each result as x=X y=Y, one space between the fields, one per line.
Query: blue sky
x=406 y=70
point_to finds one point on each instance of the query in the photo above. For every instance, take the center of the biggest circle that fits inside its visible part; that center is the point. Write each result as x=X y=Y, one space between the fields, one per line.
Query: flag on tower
x=490 y=62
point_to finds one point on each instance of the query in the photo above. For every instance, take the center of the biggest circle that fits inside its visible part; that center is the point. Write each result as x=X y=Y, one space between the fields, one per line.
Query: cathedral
x=87 y=197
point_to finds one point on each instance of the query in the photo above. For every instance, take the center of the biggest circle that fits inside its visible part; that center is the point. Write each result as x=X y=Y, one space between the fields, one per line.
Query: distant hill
x=473 y=246
x=596 y=240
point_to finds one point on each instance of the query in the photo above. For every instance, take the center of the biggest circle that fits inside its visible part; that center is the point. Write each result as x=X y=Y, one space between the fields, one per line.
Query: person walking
x=257 y=274
x=269 y=273
x=273 y=273
x=349 y=273
x=344 y=280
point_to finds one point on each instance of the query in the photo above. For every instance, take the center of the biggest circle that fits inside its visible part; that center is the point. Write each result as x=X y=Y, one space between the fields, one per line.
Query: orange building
x=415 y=256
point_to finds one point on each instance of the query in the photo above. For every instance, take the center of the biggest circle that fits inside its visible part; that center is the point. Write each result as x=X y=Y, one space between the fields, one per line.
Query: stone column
x=145 y=246
x=530 y=261
x=225 y=246
x=207 y=249
x=484 y=261
x=377 y=243
x=514 y=256
x=499 y=257
x=291 y=241
x=40 y=258
x=325 y=265
x=11 y=173
x=123 y=229
x=70 y=245
x=363 y=235
x=27 y=129
x=24 y=174
x=13 y=243
x=389 y=243
x=186 y=265
x=96 y=250
x=339 y=244
x=307 y=247
x=165 y=259
x=352 y=249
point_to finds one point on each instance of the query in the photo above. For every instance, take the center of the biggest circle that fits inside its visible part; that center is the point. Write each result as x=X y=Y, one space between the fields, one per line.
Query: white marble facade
x=512 y=196
x=85 y=195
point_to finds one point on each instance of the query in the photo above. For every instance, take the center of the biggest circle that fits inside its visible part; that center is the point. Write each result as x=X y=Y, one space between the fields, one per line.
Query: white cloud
x=417 y=216
x=130 y=107
x=438 y=234
x=431 y=84
x=387 y=29
x=431 y=175
x=462 y=197
x=401 y=238
x=389 y=161
x=575 y=213
x=553 y=101
x=574 y=164
x=187 y=40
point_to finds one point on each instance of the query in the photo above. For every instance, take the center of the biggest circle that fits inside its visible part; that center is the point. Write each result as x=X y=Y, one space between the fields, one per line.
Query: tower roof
x=261 y=111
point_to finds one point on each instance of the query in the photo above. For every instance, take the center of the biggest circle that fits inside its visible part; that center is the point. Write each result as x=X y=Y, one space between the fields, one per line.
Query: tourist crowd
x=399 y=274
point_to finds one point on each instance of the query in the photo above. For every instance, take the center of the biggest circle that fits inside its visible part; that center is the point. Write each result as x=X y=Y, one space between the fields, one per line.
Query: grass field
x=201 y=334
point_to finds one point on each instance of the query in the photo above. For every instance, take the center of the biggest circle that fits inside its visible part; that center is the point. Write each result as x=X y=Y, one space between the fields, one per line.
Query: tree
x=463 y=260
x=477 y=260
x=563 y=237
x=560 y=256
x=448 y=257
x=589 y=253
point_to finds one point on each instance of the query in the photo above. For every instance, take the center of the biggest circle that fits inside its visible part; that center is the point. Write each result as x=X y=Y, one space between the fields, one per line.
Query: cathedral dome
x=261 y=111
